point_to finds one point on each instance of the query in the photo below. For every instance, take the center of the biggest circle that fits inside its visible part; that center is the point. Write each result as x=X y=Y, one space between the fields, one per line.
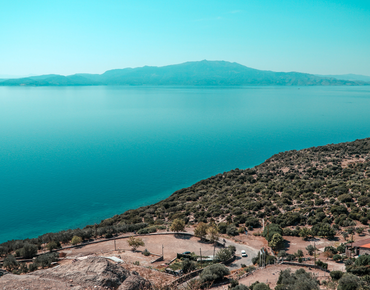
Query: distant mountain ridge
x=197 y=73
x=348 y=77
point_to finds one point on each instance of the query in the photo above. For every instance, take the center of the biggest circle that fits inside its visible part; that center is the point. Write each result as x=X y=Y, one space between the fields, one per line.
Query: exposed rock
x=22 y=282
x=135 y=282
x=93 y=271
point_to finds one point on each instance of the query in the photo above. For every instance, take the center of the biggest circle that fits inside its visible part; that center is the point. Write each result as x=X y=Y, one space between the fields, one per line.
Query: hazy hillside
x=348 y=77
x=199 y=73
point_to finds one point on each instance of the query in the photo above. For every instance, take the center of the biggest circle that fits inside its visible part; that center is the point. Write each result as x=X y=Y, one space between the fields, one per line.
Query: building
x=358 y=248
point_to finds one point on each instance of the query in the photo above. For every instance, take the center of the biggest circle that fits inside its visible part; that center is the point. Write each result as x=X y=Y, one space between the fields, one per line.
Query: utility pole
x=314 y=255
x=115 y=245
x=162 y=253
x=200 y=249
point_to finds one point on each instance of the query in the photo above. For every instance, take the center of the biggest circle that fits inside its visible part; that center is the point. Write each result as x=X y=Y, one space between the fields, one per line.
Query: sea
x=73 y=156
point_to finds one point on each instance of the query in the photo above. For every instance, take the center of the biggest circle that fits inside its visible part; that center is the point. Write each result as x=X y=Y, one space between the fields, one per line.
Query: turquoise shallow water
x=73 y=156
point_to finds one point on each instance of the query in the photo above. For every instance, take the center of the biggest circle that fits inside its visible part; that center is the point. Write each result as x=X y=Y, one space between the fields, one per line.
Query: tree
x=345 y=235
x=282 y=254
x=337 y=257
x=276 y=241
x=328 y=254
x=231 y=230
x=261 y=286
x=201 y=231
x=54 y=245
x=134 y=243
x=270 y=230
x=10 y=263
x=188 y=266
x=350 y=230
x=299 y=254
x=222 y=227
x=349 y=282
x=304 y=233
x=310 y=249
x=213 y=273
x=224 y=254
x=28 y=251
x=213 y=234
x=360 y=230
x=336 y=275
x=178 y=226
x=76 y=240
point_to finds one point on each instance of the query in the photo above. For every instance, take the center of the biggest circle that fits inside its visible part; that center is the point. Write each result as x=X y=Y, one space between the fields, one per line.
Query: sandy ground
x=172 y=244
x=255 y=242
x=270 y=275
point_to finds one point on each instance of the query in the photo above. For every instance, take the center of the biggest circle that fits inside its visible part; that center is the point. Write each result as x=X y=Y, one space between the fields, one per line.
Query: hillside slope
x=197 y=73
x=325 y=185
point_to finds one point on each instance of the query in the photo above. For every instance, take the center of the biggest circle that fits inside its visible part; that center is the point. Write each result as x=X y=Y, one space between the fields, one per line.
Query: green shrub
x=213 y=273
x=76 y=240
x=336 y=275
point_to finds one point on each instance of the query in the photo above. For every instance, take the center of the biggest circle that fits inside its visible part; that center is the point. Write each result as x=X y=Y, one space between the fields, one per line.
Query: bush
x=45 y=260
x=321 y=264
x=240 y=287
x=32 y=267
x=337 y=258
x=298 y=280
x=146 y=252
x=134 y=243
x=261 y=286
x=147 y=230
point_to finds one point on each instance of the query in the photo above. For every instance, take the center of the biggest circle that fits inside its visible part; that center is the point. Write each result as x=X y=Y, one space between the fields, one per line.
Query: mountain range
x=197 y=73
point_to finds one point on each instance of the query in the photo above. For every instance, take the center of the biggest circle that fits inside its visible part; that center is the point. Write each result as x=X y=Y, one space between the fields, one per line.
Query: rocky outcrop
x=93 y=271
x=135 y=282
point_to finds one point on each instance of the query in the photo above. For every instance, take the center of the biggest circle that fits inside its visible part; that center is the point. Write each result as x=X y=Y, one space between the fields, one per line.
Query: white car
x=244 y=254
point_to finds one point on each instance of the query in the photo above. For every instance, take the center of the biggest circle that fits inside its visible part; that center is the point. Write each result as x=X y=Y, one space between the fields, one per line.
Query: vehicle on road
x=244 y=254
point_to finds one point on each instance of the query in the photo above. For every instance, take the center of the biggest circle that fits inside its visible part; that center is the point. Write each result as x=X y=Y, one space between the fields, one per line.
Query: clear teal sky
x=66 y=37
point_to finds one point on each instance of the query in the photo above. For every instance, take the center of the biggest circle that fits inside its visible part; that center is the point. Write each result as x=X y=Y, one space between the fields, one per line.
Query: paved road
x=251 y=253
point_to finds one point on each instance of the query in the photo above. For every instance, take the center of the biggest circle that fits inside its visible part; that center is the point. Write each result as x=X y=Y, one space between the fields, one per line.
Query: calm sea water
x=73 y=156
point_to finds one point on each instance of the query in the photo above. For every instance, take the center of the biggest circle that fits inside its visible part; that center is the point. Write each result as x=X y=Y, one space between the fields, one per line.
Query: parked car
x=244 y=254
x=186 y=253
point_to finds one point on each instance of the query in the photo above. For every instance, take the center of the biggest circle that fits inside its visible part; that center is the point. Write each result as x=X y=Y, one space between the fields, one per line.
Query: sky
x=67 y=37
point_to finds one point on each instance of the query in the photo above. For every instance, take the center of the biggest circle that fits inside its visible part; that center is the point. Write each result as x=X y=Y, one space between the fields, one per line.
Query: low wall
x=304 y=265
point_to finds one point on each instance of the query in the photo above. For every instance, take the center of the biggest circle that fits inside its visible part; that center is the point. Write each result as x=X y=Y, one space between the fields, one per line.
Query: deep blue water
x=72 y=156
